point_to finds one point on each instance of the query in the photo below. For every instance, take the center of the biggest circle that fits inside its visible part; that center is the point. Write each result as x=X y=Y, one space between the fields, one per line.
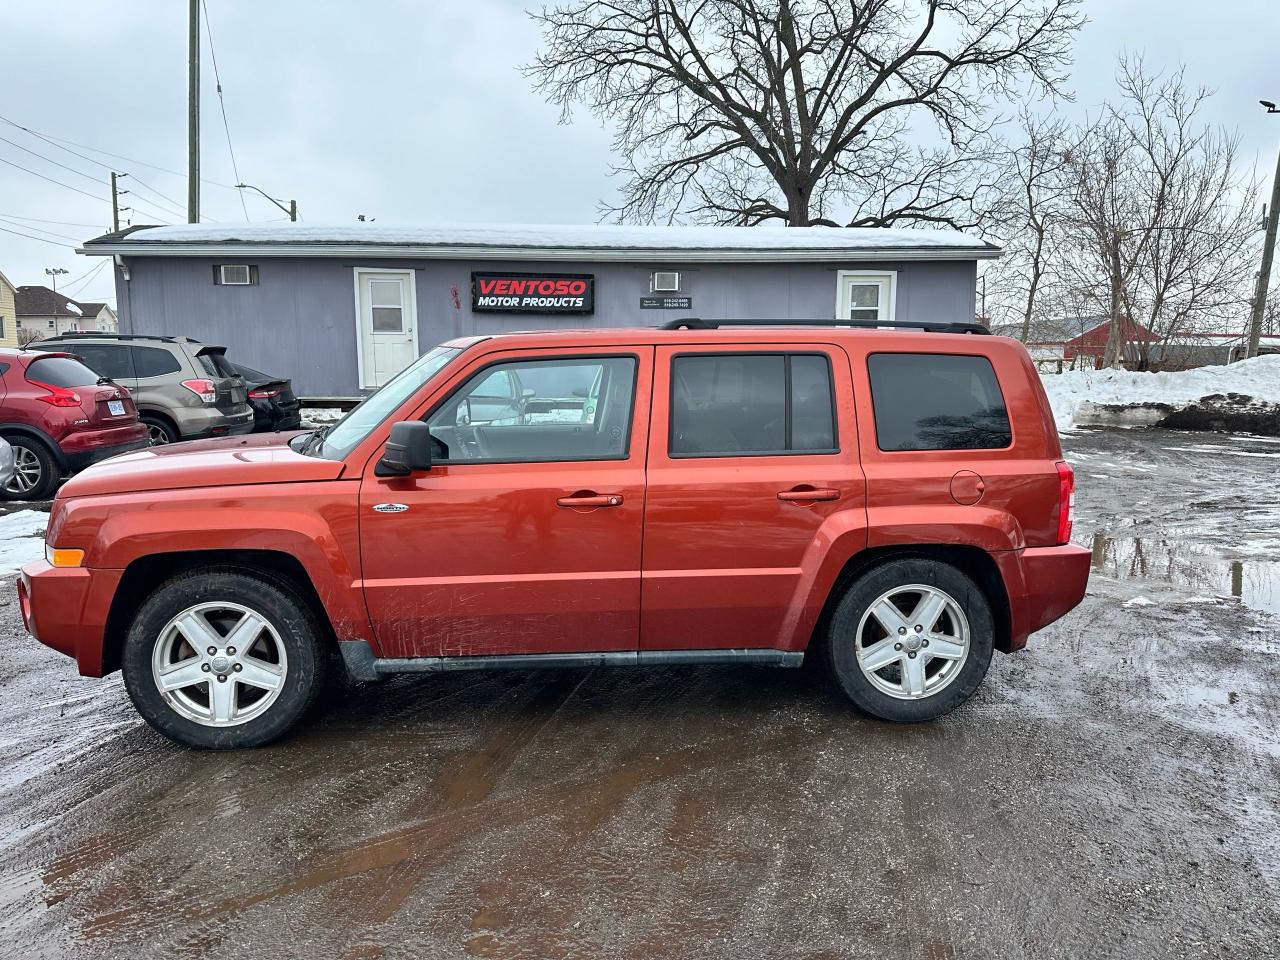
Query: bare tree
x=1158 y=217
x=801 y=111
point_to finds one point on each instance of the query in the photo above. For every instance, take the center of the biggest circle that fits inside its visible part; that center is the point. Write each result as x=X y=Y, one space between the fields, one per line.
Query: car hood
x=261 y=458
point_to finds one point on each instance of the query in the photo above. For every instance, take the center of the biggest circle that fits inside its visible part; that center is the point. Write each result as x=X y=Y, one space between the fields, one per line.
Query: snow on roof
x=72 y=308
x=598 y=241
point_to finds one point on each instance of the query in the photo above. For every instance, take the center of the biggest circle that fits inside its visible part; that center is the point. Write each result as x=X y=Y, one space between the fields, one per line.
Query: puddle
x=1191 y=567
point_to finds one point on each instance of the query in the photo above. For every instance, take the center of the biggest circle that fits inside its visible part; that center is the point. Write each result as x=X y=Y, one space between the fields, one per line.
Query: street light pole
x=291 y=209
x=53 y=273
x=1268 y=253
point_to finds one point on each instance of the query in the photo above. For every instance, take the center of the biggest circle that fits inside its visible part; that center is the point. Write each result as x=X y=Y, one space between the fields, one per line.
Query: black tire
x=46 y=482
x=856 y=603
x=158 y=427
x=274 y=601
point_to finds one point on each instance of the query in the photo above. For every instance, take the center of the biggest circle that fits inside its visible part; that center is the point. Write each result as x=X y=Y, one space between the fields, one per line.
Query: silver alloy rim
x=26 y=471
x=219 y=664
x=912 y=641
x=157 y=434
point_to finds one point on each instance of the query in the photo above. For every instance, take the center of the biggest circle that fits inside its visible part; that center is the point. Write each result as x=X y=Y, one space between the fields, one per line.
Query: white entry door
x=388 y=322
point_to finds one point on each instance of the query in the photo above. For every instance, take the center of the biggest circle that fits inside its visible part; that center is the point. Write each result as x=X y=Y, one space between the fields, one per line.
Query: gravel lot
x=1114 y=791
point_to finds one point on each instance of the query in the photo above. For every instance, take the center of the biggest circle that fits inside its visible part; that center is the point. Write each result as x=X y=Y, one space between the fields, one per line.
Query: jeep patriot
x=891 y=503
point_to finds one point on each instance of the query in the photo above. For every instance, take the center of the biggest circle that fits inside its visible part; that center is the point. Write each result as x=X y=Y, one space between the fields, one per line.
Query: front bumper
x=66 y=608
x=1044 y=584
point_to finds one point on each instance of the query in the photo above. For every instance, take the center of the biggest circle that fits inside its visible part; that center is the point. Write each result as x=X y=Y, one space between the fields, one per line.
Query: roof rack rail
x=697 y=323
x=96 y=335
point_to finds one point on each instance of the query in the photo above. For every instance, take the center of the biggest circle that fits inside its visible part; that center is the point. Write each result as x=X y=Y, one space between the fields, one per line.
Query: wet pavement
x=1113 y=791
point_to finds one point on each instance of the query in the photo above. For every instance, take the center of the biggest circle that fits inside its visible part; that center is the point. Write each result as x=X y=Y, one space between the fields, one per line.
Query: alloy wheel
x=26 y=471
x=157 y=434
x=219 y=664
x=912 y=641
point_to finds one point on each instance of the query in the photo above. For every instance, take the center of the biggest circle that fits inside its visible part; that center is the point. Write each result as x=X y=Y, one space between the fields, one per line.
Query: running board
x=363 y=665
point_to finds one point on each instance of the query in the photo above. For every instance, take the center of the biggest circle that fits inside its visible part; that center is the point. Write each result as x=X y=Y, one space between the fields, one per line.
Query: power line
x=51 y=180
x=48 y=233
x=222 y=103
x=173 y=203
x=61 y=223
x=79 y=173
x=85 y=279
x=58 y=141
x=56 y=243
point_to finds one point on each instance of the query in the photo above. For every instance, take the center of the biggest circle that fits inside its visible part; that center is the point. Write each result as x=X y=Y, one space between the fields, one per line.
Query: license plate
x=115 y=408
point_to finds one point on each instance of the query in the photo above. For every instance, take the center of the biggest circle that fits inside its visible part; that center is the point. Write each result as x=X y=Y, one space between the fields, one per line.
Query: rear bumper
x=84 y=447
x=66 y=610
x=212 y=422
x=1044 y=584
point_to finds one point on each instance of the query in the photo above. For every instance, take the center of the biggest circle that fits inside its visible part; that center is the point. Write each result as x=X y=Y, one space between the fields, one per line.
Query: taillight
x=57 y=396
x=1066 y=500
x=264 y=393
x=204 y=389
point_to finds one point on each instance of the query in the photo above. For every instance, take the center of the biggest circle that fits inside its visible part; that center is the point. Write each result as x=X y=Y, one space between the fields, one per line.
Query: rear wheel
x=35 y=472
x=220 y=658
x=911 y=640
x=160 y=431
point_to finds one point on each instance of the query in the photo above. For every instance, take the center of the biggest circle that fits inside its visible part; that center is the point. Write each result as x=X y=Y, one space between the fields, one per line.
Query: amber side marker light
x=63 y=558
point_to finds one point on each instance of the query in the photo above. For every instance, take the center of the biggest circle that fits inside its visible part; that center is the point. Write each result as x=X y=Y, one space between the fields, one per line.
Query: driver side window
x=529 y=411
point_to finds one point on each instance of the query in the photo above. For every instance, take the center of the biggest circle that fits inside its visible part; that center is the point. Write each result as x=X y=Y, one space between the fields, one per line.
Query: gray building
x=341 y=308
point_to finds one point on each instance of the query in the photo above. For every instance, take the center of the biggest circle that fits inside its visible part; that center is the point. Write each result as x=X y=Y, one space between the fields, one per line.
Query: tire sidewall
x=155 y=421
x=859 y=596
x=49 y=472
x=286 y=613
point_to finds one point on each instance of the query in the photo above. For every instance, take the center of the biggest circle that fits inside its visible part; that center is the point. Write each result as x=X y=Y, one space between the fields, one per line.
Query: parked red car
x=60 y=417
x=891 y=502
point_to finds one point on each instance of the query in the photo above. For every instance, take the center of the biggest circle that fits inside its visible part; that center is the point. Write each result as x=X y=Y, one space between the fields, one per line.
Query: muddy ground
x=1114 y=791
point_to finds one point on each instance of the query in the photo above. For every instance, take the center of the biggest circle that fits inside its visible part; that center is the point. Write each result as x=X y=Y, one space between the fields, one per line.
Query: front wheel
x=911 y=640
x=219 y=658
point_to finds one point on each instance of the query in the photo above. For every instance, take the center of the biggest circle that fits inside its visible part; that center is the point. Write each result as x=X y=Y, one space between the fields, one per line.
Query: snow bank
x=21 y=539
x=1258 y=378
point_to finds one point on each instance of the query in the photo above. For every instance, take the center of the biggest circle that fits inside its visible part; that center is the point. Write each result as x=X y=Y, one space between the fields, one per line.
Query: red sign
x=532 y=293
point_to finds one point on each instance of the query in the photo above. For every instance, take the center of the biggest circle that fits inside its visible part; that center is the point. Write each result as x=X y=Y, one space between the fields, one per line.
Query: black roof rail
x=93 y=335
x=697 y=323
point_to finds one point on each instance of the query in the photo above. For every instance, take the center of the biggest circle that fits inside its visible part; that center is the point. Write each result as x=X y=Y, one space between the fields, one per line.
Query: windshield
x=346 y=434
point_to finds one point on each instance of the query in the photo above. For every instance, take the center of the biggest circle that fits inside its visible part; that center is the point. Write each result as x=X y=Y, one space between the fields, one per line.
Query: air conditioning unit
x=235 y=275
x=665 y=281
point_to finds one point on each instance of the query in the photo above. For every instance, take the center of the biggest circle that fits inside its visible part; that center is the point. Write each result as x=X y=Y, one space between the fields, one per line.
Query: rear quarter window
x=61 y=372
x=937 y=401
x=154 y=362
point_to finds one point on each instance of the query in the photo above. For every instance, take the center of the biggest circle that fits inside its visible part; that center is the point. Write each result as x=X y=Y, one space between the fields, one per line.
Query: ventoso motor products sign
x=533 y=293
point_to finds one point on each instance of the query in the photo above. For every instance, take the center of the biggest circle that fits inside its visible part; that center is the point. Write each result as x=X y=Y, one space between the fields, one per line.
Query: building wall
x=9 y=311
x=299 y=320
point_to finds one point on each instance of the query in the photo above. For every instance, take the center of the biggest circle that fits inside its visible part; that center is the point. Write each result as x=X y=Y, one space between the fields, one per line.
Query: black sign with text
x=666 y=303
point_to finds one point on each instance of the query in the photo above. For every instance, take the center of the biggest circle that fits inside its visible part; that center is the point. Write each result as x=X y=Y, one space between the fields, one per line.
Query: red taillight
x=204 y=389
x=1066 y=500
x=57 y=396
x=264 y=393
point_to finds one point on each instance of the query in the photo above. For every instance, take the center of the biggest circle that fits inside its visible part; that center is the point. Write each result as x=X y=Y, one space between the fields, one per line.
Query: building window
x=862 y=295
x=2 y=330
x=49 y=323
x=664 y=281
x=235 y=274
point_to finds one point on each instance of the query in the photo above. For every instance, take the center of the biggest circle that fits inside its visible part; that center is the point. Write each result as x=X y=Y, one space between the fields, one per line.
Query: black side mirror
x=408 y=450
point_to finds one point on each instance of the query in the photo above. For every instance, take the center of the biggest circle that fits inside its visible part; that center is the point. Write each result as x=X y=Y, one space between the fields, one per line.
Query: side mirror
x=408 y=450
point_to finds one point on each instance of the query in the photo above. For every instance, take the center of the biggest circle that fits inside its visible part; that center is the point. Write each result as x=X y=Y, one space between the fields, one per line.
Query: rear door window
x=934 y=401
x=741 y=404
x=154 y=362
x=108 y=359
x=61 y=372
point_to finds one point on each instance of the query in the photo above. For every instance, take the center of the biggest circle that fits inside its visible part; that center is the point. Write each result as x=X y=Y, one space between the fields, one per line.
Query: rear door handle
x=591 y=500
x=802 y=496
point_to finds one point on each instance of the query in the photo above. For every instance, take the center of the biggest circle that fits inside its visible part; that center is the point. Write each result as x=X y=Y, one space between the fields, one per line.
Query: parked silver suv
x=184 y=389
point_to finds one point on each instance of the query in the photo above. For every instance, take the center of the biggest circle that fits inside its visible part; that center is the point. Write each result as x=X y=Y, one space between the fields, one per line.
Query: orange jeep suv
x=892 y=502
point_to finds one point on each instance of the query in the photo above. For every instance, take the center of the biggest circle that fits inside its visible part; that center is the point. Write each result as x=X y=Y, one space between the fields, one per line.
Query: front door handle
x=804 y=495
x=591 y=500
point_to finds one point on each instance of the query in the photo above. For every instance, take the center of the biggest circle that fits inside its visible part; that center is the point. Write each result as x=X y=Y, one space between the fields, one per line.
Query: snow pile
x=1258 y=378
x=21 y=539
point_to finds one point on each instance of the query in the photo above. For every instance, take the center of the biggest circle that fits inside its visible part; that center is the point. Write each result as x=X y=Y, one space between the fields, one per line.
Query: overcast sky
x=407 y=110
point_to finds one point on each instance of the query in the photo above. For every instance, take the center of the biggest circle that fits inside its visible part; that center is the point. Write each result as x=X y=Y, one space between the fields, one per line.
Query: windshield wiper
x=313 y=442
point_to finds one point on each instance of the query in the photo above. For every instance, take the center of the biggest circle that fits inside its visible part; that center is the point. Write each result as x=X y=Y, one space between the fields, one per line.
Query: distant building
x=1091 y=344
x=42 y=312
x=8 y=313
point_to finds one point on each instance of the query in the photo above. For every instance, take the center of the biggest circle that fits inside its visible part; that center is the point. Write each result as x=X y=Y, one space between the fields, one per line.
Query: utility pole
x=193 y=113
x=1268 y=252
x=293 y=210
x=116 y=194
